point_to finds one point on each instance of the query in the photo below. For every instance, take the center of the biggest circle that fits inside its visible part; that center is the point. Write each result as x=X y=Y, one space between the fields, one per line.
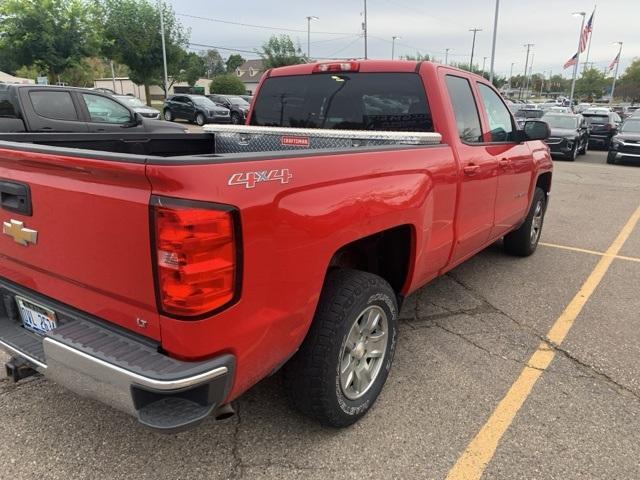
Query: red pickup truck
x=167 y=280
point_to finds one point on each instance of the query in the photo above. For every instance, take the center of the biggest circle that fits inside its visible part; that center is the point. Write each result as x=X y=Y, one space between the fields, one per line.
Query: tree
x=628 y=86
x=279 y=51
x=53 y=35
x=591 y=84
x=227 y=84
x=233 y=62
x=132 y=36
x=213 y=63
x=418 y=57
x=192 y=68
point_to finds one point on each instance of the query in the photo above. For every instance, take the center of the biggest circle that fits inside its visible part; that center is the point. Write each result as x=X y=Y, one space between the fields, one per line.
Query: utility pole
x=527 y=77
x=526 y=66
x=493 y=42
x=615 y=75
x=484 y=63
x=113 y=76
x=541 y=84
x=575 y=67
x=364 y=29
x=473 y=46
x=164 y=50
x=446 y=56
x=309 y=18
x=393 y=46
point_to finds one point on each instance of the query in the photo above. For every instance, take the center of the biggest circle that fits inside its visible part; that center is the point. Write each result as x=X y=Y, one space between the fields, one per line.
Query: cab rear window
x=350 y=101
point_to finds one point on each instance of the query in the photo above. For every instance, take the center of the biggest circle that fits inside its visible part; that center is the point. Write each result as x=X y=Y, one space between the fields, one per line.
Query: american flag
x=584 y=36
x=614 y=61
x=572 y=61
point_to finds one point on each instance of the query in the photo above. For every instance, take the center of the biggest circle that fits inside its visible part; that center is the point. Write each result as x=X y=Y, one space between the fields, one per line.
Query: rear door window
x=353 y=101
x=464 y=109
x=54 y=105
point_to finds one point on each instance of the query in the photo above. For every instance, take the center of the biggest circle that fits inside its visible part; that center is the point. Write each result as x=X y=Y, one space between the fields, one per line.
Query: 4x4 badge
x=16 y=230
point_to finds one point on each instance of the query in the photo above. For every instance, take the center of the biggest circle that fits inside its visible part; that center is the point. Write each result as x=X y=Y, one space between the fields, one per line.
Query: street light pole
x=615 y=75
x=446 y=56
x=309 y=18
x=393 y=46
x=575 y=67
x=364 y=29
x=473 y=46
x=493 y=43
x=164 y=49
x=526 y=66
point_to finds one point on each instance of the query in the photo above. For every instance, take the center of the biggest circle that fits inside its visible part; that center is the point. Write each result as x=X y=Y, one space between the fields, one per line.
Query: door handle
x=504 y=163
x=15 y=197
x=471 y=169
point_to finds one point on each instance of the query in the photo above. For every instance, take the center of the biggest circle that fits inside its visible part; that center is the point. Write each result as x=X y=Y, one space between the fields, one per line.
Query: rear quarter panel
x=291 y=231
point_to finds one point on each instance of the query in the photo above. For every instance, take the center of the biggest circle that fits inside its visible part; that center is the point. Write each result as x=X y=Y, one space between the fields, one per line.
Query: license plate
x=35 y=317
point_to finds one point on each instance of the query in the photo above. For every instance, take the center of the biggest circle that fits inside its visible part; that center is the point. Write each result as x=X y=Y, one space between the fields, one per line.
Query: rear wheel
x=343 y=363
x=168 y=116
x=200 y=120
x=524 y=241
x=235 y=119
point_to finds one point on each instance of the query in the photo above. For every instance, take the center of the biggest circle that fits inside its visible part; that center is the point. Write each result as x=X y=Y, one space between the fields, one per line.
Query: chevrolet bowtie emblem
x=20 y=234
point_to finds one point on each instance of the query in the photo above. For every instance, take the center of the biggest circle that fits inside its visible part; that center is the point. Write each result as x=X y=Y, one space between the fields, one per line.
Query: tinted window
x=561 y=121
x=54 y=105
x=631 y=126
x=464 y=108
x=357 y=101
x=500 y=123
x=105 y=110
x=6 y=107
x=203 y=102
x=597 y=119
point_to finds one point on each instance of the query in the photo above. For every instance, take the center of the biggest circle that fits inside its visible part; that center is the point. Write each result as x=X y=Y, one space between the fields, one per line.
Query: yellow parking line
x=480 y=451
x=592 y=252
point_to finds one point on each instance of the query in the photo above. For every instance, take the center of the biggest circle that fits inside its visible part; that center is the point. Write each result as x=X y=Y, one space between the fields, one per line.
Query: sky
x=424 y=26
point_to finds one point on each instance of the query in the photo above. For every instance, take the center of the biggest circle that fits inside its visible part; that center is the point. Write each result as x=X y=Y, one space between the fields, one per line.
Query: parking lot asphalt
x=464 y=340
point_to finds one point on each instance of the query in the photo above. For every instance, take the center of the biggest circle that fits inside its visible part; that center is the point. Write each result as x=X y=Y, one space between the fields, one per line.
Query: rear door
x=84 y=240
x=51 y=110
x=474 y=219
x=104 y=114
x=514 y=158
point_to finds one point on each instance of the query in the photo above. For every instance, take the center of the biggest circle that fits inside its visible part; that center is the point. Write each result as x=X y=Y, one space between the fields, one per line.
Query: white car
x=559 y=110
x=597 y=110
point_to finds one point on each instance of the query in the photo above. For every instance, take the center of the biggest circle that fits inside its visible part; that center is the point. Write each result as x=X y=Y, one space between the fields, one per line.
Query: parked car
x=525 y=114
x=167 y=287
x=558 y=110
x=38 y=108
x=581 y=107
x=603 y=126
x=632 y=110
x=139 y=106
x=247 y=98
x=194 y=108
x=626 y=144
x=239 y=107
x=569 y=135
x=597 y=110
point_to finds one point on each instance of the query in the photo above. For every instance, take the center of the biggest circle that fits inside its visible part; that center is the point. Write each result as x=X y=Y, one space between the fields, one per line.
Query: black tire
x=200 y=119
x=236 y=119
x=585 y=148
x=168 y=116
x=312 y=377
x=611 y=158
x=524 y=241
x=573 y=154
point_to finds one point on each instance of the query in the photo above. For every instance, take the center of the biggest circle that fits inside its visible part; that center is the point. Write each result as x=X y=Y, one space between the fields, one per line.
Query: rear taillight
x=336 y=67
x=196 y=256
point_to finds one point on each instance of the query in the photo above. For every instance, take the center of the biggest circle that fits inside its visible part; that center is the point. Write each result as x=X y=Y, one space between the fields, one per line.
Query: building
x=124 y=86
x=250 y=73
x=6 y=78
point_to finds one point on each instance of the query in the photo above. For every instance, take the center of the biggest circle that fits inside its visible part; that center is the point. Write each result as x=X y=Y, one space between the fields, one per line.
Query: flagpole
x=593 y=21
x=575 y=67
x=615 y=75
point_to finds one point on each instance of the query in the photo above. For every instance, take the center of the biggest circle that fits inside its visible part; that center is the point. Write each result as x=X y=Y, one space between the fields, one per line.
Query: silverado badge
x=20 y=234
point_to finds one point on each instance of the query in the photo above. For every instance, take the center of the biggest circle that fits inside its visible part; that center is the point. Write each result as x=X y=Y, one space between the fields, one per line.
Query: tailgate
x=92 y=246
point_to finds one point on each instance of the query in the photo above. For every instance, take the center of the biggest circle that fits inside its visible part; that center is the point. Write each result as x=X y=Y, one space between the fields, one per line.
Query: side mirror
x=138 y=119
x=536 y=130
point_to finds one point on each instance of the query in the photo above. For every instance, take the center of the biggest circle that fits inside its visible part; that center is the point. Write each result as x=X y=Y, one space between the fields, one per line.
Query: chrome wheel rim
x=363 y=352
x=536 y=223
x=200 y=120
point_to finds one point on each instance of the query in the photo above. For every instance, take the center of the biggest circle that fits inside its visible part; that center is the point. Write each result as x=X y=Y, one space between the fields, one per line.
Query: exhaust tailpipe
x=223 y=412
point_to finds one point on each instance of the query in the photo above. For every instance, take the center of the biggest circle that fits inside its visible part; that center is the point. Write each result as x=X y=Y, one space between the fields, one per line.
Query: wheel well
x=385 y=253
x=544 y=182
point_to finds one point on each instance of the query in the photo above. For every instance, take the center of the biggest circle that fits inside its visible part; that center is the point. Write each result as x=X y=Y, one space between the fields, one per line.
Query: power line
x=264 y=27
x=342 y=49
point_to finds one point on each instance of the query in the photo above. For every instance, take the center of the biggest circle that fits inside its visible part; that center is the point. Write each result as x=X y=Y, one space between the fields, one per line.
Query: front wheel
x=343 y=363
x=573 y=154
x=611 y=158
x=200 y=120
x=168 y=116
x=235 y=119
x=524 y=241
x=585 y=148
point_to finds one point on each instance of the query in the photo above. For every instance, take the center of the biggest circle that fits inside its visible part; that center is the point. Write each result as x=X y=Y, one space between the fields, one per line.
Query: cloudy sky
x=425 y=26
